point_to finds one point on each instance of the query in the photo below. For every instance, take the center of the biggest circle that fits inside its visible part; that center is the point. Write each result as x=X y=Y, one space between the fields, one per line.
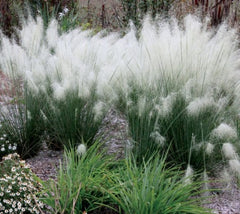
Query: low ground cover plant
x=6 y=146
x=19 y=188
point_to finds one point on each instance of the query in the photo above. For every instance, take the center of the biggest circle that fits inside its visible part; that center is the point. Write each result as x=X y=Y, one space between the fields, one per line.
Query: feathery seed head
x=158 y=138
x=200 y=105
x=98 y=110
x=224 y=132
x=29 y=116
x=188 y=175
x=81 y=149
x=209 y=148
x=52 y=34
x=31 y=36
x=58 y=91
x=166 y=105
x=229 y=151
x=235 y=166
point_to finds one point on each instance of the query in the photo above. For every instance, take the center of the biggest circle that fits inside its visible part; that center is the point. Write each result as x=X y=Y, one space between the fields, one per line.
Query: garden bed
x=224 y=199
x=140 y=119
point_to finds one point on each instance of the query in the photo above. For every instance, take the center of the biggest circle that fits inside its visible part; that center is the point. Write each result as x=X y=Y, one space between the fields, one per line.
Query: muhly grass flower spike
x=52 y=35
x=224 y=132
x=223 y=102
x=59 y=91
x=158 y=138
x=187 y=90
x=43 y=115
x=197 y=146
x=81 y=149
x=229 y=151
x=200 y=105
x=209 y=148
x=99 y=109
x=235 y=166
x=188 y=175
x=29 y=117
x=31 y=36
x=166 y=104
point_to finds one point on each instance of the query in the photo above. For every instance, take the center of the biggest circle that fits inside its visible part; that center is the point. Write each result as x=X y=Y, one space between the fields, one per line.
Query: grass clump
x=70 y=119
x=89 y=181
x=23 y=125
x=174 y=92
x=81 y=183
x=154 y=188
x=61 y=102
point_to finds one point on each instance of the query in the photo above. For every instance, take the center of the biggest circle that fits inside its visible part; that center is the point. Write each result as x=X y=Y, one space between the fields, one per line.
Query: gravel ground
x=46 y=163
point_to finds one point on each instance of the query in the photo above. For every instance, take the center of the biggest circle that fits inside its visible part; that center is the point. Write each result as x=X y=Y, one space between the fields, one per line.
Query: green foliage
x=19 y=191
x=9 y=15
x=65 y=11
x=82 y=182
x=71 y=119
x=159 y=125
x=187 y=133
x=135 y=10
x=152 y=188
x=91 y=181
x=141 y=125
x=23 y=125
x=66 y=14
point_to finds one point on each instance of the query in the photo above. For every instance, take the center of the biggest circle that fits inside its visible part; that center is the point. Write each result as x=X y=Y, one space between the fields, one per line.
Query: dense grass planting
x=163 y=77
x=177 y=83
